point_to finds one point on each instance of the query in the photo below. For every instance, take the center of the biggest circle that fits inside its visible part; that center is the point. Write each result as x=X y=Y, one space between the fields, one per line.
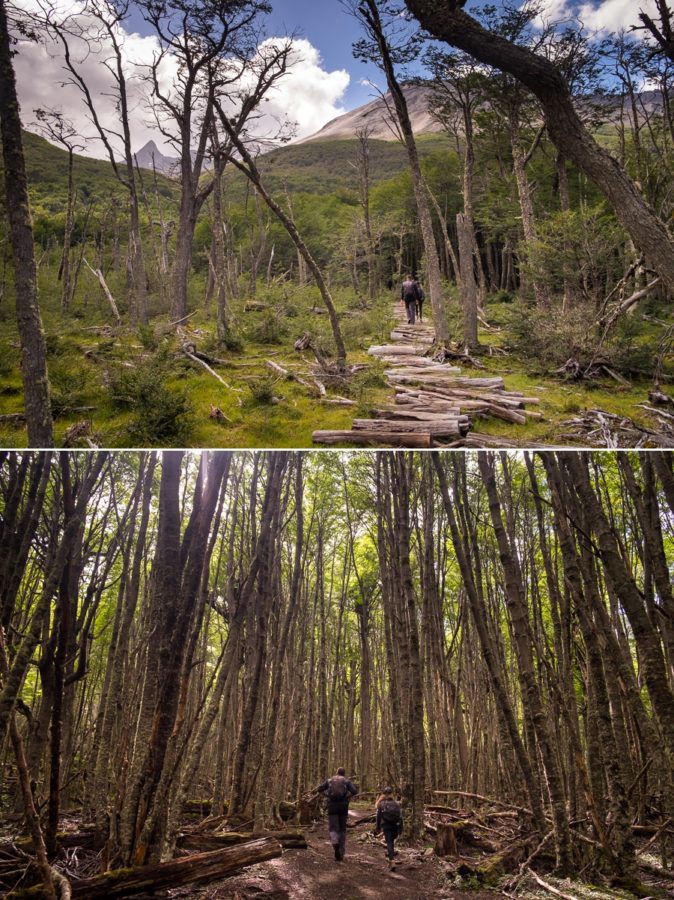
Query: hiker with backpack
x=420 y=302
x=390 y=821
x=338 y=791
x=409 y=295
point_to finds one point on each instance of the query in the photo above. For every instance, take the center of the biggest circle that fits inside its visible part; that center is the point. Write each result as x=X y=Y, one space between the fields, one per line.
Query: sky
x=324 y=81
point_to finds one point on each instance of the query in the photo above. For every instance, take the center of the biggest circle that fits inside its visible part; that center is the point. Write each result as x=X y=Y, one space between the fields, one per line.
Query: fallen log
x=476 y=440
x=397 y=349
x=488 y=800
x=106 y=290
x=197 y=807
x=202 y=867
x=441 y=427
x=255 y=306
x=338 y=401
x=85 y=839
x=367 y=438
x=291 y=838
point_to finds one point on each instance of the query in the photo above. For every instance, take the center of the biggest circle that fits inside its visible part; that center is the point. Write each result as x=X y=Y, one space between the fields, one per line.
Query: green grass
x=83 y=363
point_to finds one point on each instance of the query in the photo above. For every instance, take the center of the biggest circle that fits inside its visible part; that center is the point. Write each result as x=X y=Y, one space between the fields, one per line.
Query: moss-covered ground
x=136 y=388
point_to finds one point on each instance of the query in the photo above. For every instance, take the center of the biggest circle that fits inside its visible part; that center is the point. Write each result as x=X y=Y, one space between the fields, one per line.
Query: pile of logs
x=434 y=404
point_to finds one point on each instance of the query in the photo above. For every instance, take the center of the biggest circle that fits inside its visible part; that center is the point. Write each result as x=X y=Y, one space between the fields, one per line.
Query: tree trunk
x=468 y=287
x=370 y=12
x=33 y=350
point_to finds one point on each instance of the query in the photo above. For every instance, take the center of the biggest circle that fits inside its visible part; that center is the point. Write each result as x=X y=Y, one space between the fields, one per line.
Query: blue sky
x=327 y=25
x=329 y=28
x=315 y=91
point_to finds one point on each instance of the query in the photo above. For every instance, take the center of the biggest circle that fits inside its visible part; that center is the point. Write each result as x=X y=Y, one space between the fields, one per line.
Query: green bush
x=162 y=415
x=271 y=329
x=551 y=335
x=262 y=390
x=502 y=296
x=68 y=387
x=148 y=337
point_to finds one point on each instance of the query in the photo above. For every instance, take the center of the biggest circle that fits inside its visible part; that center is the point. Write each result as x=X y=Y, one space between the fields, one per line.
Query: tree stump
x=445 y=840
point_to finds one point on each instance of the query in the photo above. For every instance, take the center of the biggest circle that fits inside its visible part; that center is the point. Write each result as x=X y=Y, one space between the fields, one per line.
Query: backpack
x=410 y=290
x=337 y=789
x=390 y=812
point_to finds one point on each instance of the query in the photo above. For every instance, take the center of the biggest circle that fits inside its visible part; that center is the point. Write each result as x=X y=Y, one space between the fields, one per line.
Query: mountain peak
x=150 y=156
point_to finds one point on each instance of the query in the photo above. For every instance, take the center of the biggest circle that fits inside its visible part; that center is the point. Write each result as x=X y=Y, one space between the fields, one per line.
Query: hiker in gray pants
x=338 y=791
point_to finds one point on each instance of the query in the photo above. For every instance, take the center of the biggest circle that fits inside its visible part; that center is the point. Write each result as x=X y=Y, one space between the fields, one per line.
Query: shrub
x=148 y=337
x=262 y=390
x=271 y=328
x=162 y=415
x=551 y=335
x=67 y=387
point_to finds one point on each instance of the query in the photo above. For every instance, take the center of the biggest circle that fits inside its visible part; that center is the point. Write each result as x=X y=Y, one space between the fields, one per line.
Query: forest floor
x=313 y=873
x=119 y=387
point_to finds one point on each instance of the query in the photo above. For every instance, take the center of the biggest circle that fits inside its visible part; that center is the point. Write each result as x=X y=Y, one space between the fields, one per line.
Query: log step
x=398 y=349
x=440 y=428
x=372 y=438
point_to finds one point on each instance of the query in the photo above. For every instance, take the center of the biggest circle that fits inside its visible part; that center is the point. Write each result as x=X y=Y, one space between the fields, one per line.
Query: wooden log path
x=435 y=405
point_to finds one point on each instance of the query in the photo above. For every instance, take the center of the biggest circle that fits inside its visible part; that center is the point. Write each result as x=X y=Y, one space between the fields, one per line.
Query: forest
x=191 y=642
x=240 y=298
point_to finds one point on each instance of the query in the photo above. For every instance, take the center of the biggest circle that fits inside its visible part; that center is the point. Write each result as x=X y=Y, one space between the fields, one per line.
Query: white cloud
x=614 y=15
x=603 y=17
x=308 y=95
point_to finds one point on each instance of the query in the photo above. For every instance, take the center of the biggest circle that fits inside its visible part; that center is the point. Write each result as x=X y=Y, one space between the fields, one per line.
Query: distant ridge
x=375 y=117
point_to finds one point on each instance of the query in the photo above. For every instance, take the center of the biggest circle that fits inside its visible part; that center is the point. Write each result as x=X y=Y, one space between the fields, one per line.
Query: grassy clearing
x=137 y=389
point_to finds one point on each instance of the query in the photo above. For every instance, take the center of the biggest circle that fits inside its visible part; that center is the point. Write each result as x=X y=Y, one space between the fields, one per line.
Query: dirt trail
x=313 y=874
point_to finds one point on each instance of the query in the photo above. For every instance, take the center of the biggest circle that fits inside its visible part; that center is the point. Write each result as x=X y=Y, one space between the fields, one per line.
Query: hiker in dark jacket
x=420 y=302
x=390 y=821
x=338 y=791
x=409 y=294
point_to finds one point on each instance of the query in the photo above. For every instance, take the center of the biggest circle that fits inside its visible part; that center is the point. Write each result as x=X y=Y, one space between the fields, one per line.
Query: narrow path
x=313 y=874
x=435 y=404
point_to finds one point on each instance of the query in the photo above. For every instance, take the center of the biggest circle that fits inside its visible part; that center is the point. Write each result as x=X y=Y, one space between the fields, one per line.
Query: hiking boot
x=391 y=865
x=338 y=857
